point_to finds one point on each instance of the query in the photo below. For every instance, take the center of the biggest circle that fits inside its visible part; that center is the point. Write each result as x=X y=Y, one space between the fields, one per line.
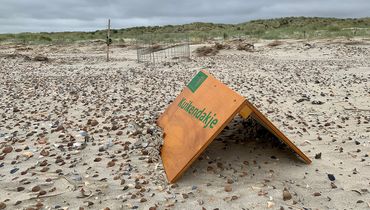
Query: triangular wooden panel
x=201 y=111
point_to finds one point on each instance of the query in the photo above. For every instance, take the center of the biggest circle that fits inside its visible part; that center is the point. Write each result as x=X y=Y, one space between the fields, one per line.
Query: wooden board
x=257 y=115
x=201 y=111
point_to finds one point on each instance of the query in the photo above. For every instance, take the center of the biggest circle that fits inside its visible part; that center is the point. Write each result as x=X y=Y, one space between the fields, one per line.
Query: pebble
x=228 y=188
x=270 y=204
x=36 y=188
x=317 y=194
x=2 y=205
x=318 y=156
x=110 y=164
x=14 y=170
x=286 y=195
x=27 y=154
x=333 y=186
x=331 y=177
x=44 y=153
x=42 y=192
x=19 y=189
x=142 y=200
x=7 y=149
x=94 y=122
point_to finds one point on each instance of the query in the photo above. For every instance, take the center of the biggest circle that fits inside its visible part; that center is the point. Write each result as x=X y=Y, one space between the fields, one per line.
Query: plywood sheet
x=194 y=119
x=201 y=111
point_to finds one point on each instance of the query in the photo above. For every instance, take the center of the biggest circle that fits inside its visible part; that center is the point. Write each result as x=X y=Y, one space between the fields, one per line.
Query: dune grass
x=280 y=28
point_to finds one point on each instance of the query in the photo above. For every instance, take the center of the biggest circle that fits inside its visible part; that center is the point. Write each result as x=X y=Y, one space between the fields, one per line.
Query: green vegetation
x=280 y=28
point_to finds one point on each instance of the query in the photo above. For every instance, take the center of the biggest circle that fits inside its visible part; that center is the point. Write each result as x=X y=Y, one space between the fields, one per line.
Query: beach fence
x=167 y=47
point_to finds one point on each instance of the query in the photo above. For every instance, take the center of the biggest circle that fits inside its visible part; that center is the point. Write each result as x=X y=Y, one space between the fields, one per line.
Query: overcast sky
x=91 y=15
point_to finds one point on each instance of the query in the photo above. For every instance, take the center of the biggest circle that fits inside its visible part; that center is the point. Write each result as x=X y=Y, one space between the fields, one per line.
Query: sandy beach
x=77 y=132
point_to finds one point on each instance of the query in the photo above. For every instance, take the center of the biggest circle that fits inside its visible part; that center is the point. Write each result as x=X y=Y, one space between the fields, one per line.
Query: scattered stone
x=228 y=188
x=142 y=200
x=7 y=149
x=44 y=169
x=286 y=195
x=42 y=192
x=270 y=204
x=317 y=194
x=2 y=205
x=94 y=122
x=14 y=170
x=44 y=153
x=36 y=188
x=317 y=102
x=333 y=186
x=318 y=156
x=200 y=201
x=185 y=195
x=19 y=189
x=331 y=177
x=27 y=154
x=40 y=58
x=110 y=164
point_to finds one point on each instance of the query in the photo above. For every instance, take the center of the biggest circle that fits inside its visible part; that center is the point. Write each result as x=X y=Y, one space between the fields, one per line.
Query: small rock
x=42 y=192
x=110 y=164
x=228 y=188
x=286 y=195
x=317 y=102
x=331 y=177
x=94 y=122
x=20 y=189
x=142 y=200
x=2 y=205
x=44 y=153
x=40 y=58
x=174 y=186
x=270 y=204
x=333 y=185
x=185 y=195
x=318 y=156
x=14 y=170
x=44 y=169
x=36 y=188
x=230 y=181
x=88 y=203
x=83 y=133
x=8 y=149
x=317 y=194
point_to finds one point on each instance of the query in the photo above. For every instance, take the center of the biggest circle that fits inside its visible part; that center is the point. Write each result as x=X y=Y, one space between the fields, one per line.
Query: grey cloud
x=81 y=15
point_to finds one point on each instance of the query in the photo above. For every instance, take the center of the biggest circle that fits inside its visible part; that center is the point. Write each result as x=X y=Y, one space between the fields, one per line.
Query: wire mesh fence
x=156 y=48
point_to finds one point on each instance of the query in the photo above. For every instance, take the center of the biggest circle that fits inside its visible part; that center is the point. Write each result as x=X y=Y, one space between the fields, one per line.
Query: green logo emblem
x=197 y=81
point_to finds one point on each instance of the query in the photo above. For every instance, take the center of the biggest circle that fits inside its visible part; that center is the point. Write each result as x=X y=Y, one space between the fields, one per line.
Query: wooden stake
x=108 y=38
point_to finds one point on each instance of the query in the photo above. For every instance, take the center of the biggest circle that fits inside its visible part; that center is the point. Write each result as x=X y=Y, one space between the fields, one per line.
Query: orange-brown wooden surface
x=257 y=115
x=185 y=138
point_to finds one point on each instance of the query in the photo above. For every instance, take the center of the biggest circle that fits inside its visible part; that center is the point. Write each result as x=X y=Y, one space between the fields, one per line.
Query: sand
x=77 y=132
